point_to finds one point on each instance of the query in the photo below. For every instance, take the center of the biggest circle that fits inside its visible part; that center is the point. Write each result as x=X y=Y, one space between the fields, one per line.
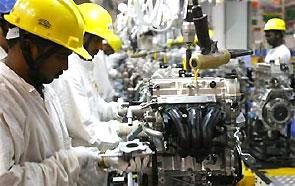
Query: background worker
x=274 y=33
x=103 y=71
x=84 y=109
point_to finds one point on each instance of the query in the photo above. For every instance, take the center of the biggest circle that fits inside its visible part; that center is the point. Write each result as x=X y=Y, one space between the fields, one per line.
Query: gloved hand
x=123 y=129
x=90 y=173
x=113 y=161
x=136 y=164
x=113 y=74
x=148 y=69
x=86 y=154
x=162 y=73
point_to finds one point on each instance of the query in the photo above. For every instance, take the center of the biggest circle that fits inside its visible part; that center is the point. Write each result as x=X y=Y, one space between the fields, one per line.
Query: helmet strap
x=87 y=42
x=34 y=65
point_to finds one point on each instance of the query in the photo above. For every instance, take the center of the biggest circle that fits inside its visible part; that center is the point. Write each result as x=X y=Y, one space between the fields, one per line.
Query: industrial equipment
x=270 y=117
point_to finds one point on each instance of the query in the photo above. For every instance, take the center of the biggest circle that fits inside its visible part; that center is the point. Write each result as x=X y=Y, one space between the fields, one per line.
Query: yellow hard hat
x=275 y=24
x=115 y=42
x=99 y=22
x=56 y=20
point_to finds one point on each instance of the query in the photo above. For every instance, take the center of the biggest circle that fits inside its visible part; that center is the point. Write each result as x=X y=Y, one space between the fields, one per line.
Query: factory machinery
x=192 y=124
x=193 y=127
x=271 y=111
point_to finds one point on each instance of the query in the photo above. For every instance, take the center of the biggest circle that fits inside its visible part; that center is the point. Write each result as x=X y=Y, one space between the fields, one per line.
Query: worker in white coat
x=103 y=67
x=84 y=109
x=274 y=33
x=5 y=7
x=35 y=145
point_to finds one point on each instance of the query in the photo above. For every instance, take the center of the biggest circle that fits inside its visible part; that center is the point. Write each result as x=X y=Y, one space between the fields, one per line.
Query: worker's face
x=54 y=66
x=92 y=44
x=107 y=49
x=272 y=37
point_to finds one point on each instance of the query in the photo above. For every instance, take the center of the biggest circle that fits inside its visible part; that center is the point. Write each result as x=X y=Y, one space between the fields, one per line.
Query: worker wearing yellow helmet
x=274 y=33
x=86 y=113
x=35 y=146
x=99 y=23
x=84 y=99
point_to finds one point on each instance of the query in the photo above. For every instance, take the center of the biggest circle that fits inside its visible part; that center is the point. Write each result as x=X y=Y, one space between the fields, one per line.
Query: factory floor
x=284 y=176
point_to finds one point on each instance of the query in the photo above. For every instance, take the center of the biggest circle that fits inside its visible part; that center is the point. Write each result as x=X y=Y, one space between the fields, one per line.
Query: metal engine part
x=197 y=120
x=272 y=96
x=276 y=112
x=270 y=116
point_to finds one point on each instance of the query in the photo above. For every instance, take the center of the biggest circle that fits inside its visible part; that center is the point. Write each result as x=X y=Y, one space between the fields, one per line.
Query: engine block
x=198 y=120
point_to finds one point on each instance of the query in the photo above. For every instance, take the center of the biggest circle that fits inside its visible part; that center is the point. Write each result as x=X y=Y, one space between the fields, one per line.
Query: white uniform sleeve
x=82 y=115
x=62 y=168
x=286 y=58
x=108 y=110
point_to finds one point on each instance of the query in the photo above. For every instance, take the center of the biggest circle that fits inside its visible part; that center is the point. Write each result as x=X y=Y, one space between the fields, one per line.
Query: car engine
x=270 y=116
x=194 y=126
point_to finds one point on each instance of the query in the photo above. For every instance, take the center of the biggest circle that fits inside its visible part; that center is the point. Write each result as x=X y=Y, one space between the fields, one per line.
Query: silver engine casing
x=272 y=95
x=270 y=116
x=199 y=120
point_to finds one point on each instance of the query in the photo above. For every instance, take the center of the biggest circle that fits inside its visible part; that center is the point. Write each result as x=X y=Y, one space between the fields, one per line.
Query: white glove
x=162 y=73
x=90 y=173
x=136 y=164
x=115 y=162
x=147 y=69
x=113 y=73
x=86 y=154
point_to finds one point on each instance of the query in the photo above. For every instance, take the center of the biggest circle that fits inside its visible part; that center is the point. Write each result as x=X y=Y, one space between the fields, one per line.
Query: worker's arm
x=108 y=110
x=62 y=168
x=82 y=116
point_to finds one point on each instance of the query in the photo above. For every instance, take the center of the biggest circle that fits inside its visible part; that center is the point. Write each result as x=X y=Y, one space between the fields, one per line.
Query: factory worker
x=274 y=33
x=84 y=109
x=103 y=67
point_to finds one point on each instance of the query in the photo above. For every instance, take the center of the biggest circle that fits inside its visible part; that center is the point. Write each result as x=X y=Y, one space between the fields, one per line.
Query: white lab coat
x=84 y=110
x=280 y=54
x=102 y=66
x=34 y=142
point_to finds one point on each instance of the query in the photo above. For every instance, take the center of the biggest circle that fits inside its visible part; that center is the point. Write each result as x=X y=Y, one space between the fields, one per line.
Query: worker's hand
x=162 y=73
x=136 y=164
x=149 y=68
x=86 y=154
x=123 y=129
x=122 y=108
x=113 y=73
x=113 y=161
x=90 y=173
